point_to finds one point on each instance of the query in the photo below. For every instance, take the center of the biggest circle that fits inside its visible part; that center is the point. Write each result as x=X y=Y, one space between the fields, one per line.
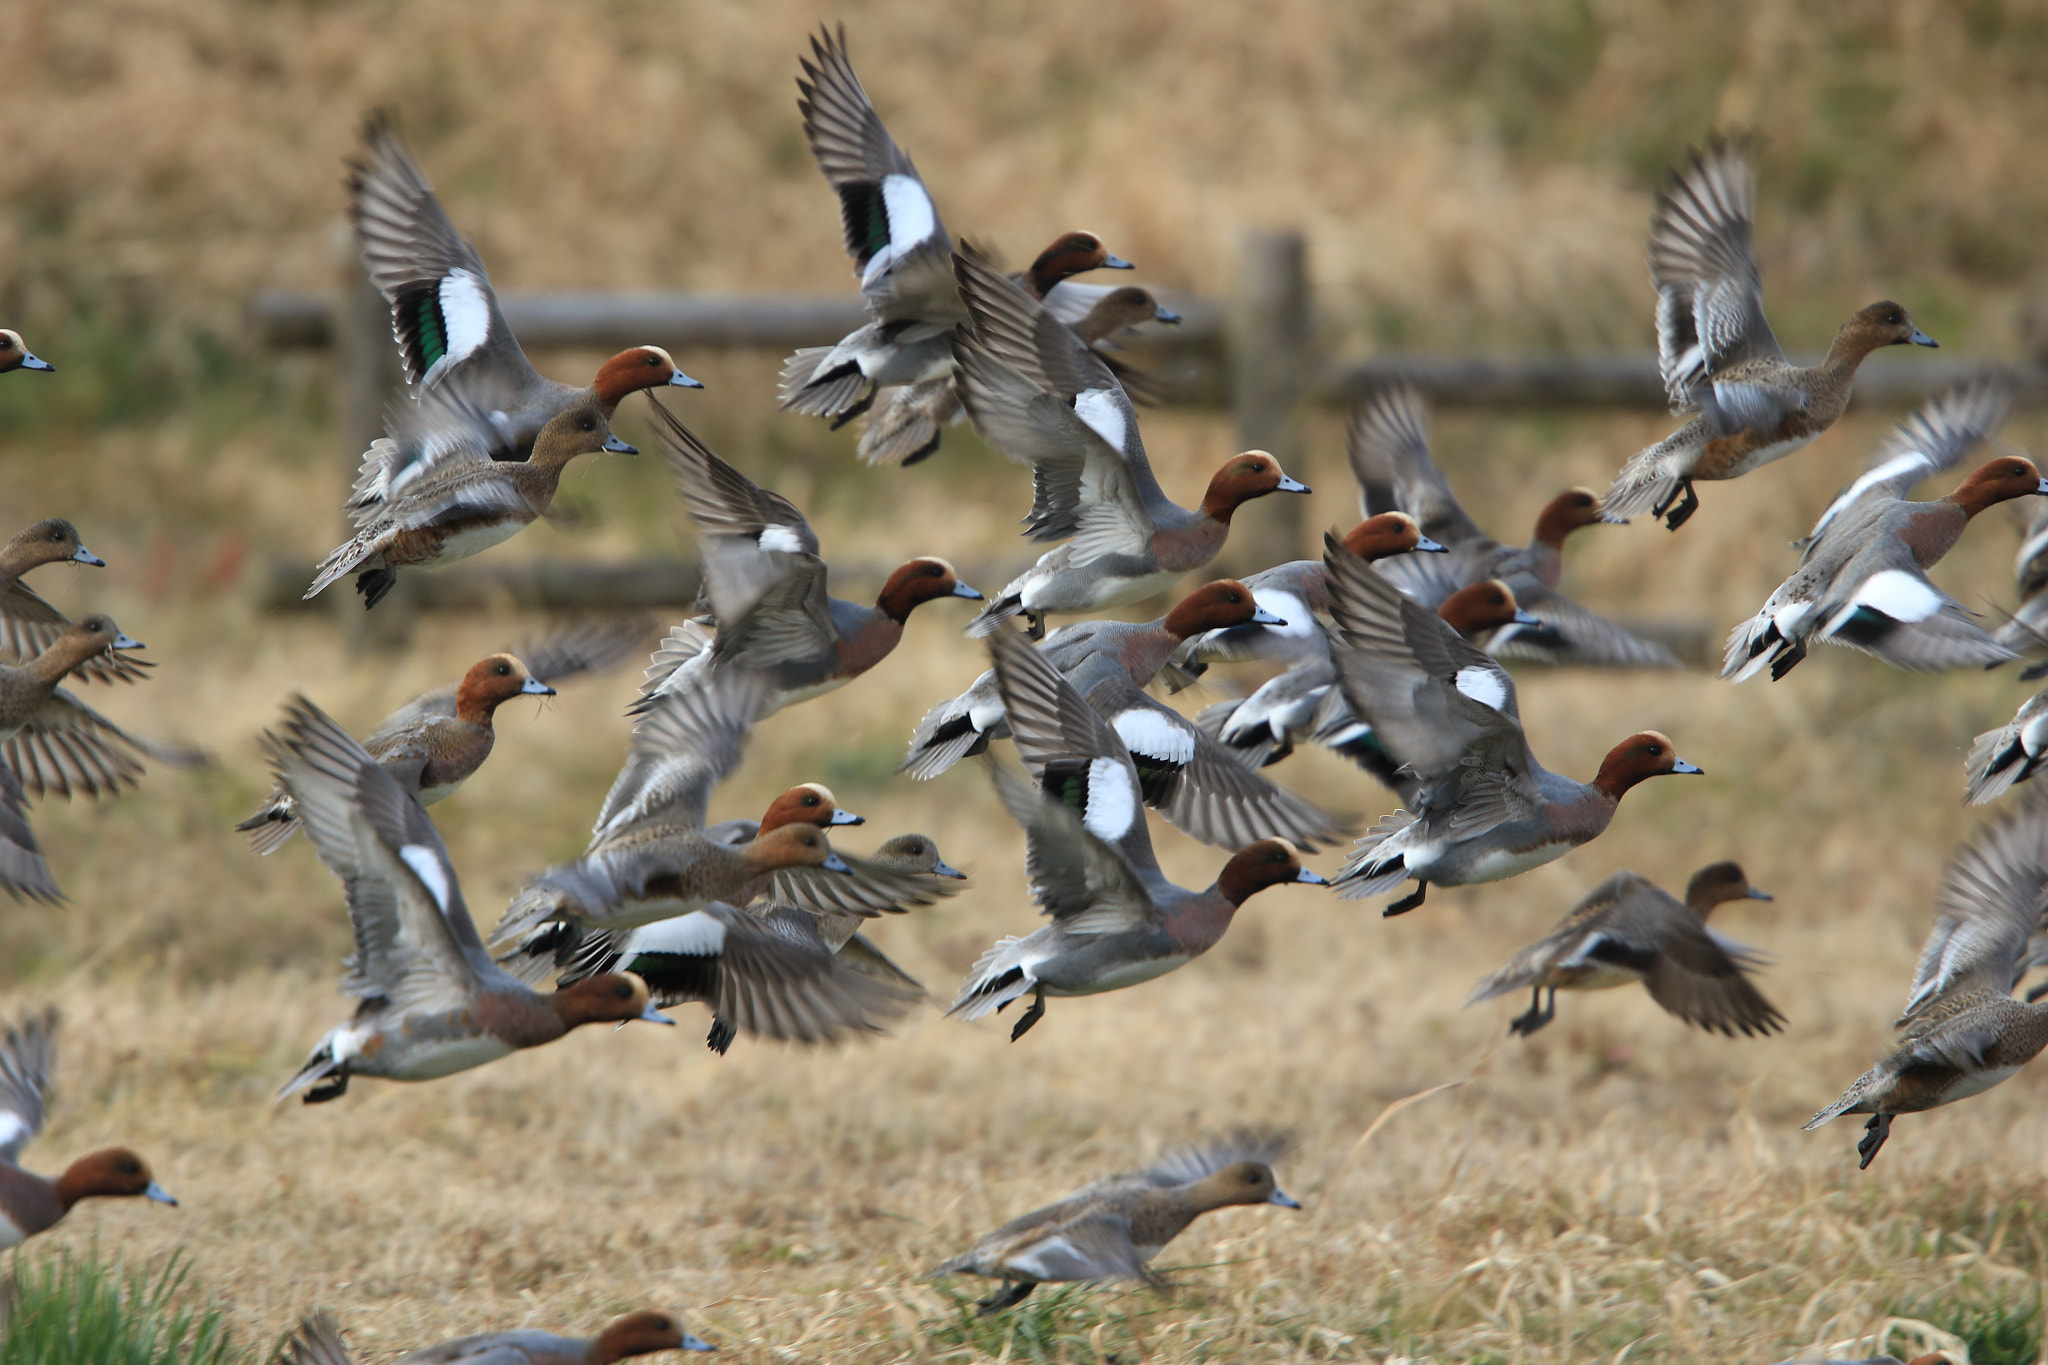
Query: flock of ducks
x=1389 y=649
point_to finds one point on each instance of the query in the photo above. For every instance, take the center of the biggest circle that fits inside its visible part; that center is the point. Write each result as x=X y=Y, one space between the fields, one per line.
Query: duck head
x=1253 y=868
x=1241 y=1182
x=581 y=429
x=641 y=1334
x=1996 y=481
x=1566 y=513
x=1642 y=755
x=1252 y=474
x=15 y=354
x=492 y=682
x=1217 y=606
x=1883 y=323
x=1387 y=535
x=48 y=542
x=796 y=845
x=914 y=853
x=1483 y=606
x=920 y=580
x=1719 y=883
x=641 y=367
x=810 y=803
x=116 y=1173
x=1071 y=254
x=608 y=998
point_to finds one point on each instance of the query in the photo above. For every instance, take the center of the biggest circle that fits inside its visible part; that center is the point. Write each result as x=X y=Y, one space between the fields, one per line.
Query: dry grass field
x=1471 y=175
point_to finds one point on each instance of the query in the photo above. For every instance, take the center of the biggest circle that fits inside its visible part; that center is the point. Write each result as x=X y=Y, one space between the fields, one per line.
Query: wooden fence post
x=367 y=376
x=1272 y=365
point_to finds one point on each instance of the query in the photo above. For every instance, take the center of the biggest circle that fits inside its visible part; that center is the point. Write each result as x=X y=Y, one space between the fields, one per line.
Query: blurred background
x=1471 y=177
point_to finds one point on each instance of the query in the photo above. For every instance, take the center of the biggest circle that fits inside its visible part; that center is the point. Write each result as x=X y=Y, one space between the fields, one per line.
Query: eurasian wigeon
x=903 y=255
x=15 y=354
x=1485 y=810
x=776 y=971
x=1863 y=582
x=1962 y=1032
x=432 y=1001
x=767 y=588
x=1113 y=1229
x=1117 y=920
x=1037 y=393
x=650 y=857
x=30 y=1203
x=1630 y=930
x=457 y=500
x=318 y=1342
x=437 y=741
x=1717 y=352
x=446 y=318
x=1389 y=448
x=2013 y=752
x=27 y=623
x=1304 y=704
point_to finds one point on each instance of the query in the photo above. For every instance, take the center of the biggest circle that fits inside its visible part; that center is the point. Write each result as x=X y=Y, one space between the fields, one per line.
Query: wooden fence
x=1256 y=354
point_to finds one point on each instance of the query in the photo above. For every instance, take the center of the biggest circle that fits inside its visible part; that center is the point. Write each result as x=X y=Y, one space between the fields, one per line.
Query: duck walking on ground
x=30 y=1203
x=432 y=1001
x=1863 y=581
x=1717 y=352
x=1629 y=930
x=1962 y=1032
x=1117 y=921
x=1485 y=810
x=1113 y=1229
x=1038 y=394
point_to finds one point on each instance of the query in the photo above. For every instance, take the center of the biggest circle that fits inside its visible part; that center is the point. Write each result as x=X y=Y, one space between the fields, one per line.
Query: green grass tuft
x=78 y=1309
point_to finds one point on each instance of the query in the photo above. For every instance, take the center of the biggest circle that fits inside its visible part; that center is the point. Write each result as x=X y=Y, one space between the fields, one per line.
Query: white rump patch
x=1899 y=595
x=466 y=313
x=780 y=538
x=1147 y=732
x=695 y=935
x=1103 y=414
x=1483 y=685
x=427 y=866
x=911 y=220
x=1112 y=800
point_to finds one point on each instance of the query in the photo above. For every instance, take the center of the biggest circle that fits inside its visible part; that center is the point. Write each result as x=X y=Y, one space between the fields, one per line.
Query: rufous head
x=914 y=853
x=1883 y=323
x=1252 y=474
x=1387 y=535
x=811 y=803
x=1996 y=481
x=1717 y=884
x=15 y=354
x=1566 y=513
x=1217 y=606
x=793 y=846
x=115 y=1173
x=1241 y=1182
x=920 y=580
x=492 y=682
x=1071 y=254
x=628 y=372
x=608 y=998
x=1643 y=755
x=1483 y=606
x=582 y=428
x=640 y=1334
x=47 y=542
x=1253 y=868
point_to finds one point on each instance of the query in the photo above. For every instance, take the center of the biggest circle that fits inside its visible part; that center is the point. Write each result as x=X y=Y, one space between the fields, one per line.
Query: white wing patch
x=12 y=1130
x=911 y=220
x=466 y=314
x=1301 y=622
x=1483 y=685
x=1104 y=415
x=1153 y=735
x=427 y=866
x=1898 y=594
x=693 y=935
x=779 y=538
x=1112 y=800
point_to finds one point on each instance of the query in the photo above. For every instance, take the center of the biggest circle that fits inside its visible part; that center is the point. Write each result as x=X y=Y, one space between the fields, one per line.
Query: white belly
x=431 y=1061
x=1977 y=1082
x=477 y=539
x=1757 y=459
x=1488 y=867
x=1116 y=980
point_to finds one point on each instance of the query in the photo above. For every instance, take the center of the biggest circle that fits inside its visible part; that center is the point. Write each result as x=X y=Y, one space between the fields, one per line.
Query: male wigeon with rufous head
x=15 y=354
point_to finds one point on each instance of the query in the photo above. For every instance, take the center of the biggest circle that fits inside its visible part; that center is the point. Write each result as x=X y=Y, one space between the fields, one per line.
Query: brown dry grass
x=1474 y=174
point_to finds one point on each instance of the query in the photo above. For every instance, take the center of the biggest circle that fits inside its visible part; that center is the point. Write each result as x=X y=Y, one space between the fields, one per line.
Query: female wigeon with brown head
x=449 y=326
x=318 y=1341
x=15 y=354
x=1441 y=707
x=30 y=1203
x=1717 y=352
x=28 y=624
x=1389 y=447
